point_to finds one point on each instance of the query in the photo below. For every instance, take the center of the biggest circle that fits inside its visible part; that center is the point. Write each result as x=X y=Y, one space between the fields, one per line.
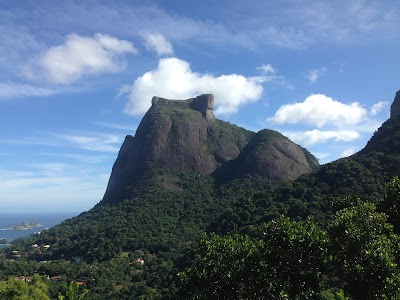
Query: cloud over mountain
x=174 y=79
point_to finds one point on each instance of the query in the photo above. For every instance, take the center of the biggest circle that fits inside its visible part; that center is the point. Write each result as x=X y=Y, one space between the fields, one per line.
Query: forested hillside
x=234 y=232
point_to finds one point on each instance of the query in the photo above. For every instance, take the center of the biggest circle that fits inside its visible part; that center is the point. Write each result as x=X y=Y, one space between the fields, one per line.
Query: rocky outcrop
x=269 y=154
x=203 y=103
x=386 y=140
x=180 y=135
x=184 y=135
x=395 y=108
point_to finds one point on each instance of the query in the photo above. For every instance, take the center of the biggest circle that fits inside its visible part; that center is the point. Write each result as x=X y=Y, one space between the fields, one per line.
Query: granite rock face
x=184 y=135
x=180 y=135
x=395 y=108
x=271 y=155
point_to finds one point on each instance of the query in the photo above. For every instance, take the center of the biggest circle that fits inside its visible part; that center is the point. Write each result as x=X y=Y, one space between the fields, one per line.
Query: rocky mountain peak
x=184 y=136
x=203 y=103
x=395 y=108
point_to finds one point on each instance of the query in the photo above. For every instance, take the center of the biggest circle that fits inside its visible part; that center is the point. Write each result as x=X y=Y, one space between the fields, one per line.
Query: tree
x=364 y=250
x=224 y=268
x=284 y=260
x=295 y=254
x=72 y=293
x=390 y=204
x=21 y=290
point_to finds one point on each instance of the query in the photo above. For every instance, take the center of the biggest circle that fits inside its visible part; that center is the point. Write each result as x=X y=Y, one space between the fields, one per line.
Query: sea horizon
x=45 y=219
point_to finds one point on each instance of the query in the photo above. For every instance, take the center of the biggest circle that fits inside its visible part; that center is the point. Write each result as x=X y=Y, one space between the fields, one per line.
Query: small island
x=24 y=226
x=3 y=241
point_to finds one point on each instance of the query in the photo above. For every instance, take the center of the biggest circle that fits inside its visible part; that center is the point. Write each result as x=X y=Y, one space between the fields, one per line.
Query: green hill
x=185 y=173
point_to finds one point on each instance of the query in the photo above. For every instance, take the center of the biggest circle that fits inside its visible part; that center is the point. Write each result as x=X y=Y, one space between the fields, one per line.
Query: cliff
x=184 y=135
x=395 y=108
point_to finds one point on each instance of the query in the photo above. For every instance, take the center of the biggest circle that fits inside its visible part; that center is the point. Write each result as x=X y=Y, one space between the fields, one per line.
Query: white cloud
x=313 y=137
x=377 y=107
x=271 y=75
x=15 y=90
x=98 y=142
x=174 y=79
x=156 y=42
x=267 y=69
x=80 y=56
x=319 y=110
x=321 y=156
x=314 y=74
x=348 y=152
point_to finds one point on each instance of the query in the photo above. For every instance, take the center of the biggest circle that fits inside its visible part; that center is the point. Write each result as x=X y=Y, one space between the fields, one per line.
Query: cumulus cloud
x=319 y=110
x=314 y=74
x=173 y=78
x=156 y=42
x=80 y=56
x=377 y=107
x=312 y=137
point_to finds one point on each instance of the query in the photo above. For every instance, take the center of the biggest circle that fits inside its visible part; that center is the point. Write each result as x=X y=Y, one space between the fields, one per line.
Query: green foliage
x=390 y=204
x=160 y=222
x=365 y=252
x=225 y=268
x=21 y=290
x=345 y=202
x=295 y=255
x=285 y=262
x=168 y=213
x=386 y=140
x=73 y=293
x=334 y=295
x=291 y=259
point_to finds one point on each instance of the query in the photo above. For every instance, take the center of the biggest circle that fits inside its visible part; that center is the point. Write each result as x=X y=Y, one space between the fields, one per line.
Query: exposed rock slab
x=184 y=135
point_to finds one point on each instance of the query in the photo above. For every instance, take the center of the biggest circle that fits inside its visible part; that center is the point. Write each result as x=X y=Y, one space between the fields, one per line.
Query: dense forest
x=330 y=234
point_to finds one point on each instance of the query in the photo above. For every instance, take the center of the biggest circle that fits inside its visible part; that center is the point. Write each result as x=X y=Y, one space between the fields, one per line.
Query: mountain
x=363 y=175
x=185 y=172
x=184 y=135
x=270 y=155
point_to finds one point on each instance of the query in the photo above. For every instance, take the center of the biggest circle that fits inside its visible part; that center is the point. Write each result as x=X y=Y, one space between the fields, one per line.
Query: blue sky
x=77 y=76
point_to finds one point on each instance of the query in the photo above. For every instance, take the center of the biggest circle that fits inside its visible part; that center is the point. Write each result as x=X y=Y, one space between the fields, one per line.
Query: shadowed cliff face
x=181 y=135
x=395 y=108
x=386 y=140
x=184 y=135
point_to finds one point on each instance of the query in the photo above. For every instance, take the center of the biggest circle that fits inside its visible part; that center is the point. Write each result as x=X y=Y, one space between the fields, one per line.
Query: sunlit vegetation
x=331 y=234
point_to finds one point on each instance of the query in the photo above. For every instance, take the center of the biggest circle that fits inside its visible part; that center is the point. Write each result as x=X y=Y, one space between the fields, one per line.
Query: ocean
x=47 y=220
